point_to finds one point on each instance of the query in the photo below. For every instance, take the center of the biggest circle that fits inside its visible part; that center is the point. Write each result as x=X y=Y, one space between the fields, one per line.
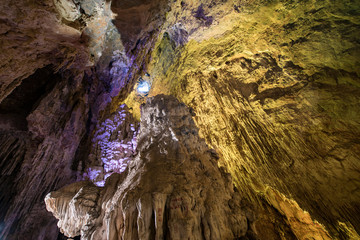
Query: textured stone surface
x=61 y=64
x=75 y=206
x=170 y=190
x=31 y=38
x=38 y=157
x=274 y=85
x=113 y=146
x=275 y=89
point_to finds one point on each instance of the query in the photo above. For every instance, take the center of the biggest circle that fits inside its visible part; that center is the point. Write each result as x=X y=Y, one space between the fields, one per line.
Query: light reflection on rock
x=114 y=144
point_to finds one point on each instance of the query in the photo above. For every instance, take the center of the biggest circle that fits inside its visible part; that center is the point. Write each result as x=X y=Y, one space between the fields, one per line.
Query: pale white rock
x=67 y=9
x=75 y=207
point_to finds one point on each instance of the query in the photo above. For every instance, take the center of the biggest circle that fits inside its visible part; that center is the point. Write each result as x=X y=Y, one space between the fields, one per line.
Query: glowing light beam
x=143 y=87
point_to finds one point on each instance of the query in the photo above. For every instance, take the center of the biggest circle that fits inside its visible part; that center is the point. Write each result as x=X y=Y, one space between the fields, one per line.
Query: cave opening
x=143 y=86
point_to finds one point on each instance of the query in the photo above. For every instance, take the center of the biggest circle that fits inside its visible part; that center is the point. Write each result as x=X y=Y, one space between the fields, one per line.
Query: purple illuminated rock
x=113 y=146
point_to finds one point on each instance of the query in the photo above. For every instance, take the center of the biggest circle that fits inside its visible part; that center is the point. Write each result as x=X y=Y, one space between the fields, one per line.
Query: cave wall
x=32 y=38
x=275 y=89
x=169 y=190
x=274 y=86
x=61 y=64
x=43 y=113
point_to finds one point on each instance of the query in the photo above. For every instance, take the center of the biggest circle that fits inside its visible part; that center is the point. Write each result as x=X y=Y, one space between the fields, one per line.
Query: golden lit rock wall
x=275 y=89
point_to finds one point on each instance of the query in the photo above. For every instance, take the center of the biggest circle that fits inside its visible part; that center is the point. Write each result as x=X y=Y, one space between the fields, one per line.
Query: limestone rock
x=38 y=157
x=61 y=64
x=68 y=9
x=173 y=188
x=75 y=206
x=275 y=89
x=31 y=38
x=113 y=146
x=274 y=85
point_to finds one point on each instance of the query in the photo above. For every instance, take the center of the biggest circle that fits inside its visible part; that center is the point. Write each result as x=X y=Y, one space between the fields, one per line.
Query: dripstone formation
x=172 y=189
x=274 y=86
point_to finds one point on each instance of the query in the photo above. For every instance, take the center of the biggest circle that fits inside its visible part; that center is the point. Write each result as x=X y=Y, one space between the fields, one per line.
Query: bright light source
x=143 y=87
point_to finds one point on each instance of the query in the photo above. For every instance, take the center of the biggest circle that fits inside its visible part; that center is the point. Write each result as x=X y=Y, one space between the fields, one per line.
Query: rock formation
x=172 y=189
x=61 y=63
x=274 y=86
x=275 y=89
x=113 y=146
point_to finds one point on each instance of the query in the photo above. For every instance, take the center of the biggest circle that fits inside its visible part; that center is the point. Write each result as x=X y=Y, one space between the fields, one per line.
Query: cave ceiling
x=273 y=88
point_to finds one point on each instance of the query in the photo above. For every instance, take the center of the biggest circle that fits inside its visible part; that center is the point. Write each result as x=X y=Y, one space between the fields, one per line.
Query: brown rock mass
x=169 y=191
x=274 y=87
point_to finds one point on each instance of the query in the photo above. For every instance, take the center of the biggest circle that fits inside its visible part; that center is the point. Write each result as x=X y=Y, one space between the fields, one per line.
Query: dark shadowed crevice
x=11 y=158
x=63 y=237
x=26 y=97
x=12 y=155
x=152 y=226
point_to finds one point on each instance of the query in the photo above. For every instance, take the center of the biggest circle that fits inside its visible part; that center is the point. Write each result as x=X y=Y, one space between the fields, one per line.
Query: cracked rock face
x=173 y=188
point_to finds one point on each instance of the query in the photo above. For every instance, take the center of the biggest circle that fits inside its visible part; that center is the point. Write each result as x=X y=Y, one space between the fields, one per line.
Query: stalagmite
x=172 y=189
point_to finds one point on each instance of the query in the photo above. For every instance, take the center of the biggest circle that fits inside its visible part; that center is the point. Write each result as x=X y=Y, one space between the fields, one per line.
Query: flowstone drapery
x=172 y=189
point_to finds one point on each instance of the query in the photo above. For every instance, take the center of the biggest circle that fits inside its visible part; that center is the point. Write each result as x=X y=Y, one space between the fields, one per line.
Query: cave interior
x=180 y=119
